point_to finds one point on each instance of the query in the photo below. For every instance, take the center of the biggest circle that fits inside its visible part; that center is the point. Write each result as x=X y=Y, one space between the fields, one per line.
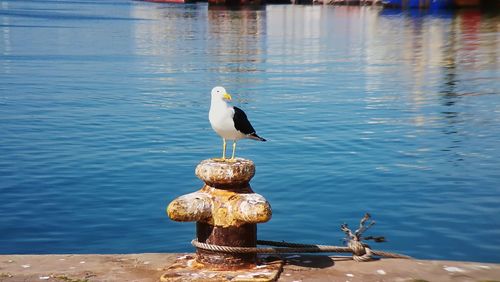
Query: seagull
x=231 y=123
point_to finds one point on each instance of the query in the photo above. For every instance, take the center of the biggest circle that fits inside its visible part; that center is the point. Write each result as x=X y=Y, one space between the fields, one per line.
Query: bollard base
x=237 y=236
x=187 y=268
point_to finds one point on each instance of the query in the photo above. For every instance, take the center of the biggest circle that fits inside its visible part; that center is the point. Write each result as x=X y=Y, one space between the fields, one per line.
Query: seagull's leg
x=224 y=149
x=234 y=149
x=223 y=159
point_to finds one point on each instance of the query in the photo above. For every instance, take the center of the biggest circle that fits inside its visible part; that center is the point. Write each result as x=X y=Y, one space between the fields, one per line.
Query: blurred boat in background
x=441 y=4
x=412 y=4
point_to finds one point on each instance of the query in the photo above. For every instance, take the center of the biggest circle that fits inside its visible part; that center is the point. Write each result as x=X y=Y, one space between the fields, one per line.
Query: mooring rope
x=364 y=254
x=360 y=250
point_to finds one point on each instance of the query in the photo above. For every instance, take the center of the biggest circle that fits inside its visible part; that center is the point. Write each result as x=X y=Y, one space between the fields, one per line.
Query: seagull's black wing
x=242 y=124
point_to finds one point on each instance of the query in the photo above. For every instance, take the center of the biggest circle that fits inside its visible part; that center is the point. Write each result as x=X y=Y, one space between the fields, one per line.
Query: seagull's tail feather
x=254 y=136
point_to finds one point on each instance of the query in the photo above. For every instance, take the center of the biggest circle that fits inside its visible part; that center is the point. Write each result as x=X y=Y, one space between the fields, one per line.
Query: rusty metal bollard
x=226 y=211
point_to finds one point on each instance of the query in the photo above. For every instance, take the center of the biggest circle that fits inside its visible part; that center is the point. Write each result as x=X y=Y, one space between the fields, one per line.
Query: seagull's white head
x=220 y=93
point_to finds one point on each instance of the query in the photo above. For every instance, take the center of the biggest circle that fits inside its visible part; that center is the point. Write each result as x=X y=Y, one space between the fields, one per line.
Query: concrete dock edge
x=150 y=266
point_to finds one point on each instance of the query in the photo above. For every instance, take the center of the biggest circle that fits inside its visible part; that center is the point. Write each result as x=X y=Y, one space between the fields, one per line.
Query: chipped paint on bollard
x=226 y=211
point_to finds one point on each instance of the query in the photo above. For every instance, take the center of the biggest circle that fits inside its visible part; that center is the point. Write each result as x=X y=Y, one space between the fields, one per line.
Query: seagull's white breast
x=221 y=119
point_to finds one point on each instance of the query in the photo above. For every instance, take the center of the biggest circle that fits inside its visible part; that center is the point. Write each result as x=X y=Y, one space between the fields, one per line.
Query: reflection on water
x=366 y=110
x=243 y=54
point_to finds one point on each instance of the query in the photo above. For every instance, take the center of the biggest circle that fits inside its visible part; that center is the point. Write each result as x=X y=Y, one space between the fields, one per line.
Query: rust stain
x=187 y=269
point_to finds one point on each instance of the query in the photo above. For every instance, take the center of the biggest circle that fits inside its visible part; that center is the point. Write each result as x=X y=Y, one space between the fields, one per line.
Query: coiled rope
x=360 y=250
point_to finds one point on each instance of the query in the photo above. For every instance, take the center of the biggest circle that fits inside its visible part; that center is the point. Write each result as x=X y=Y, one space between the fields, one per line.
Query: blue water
x=104 y=116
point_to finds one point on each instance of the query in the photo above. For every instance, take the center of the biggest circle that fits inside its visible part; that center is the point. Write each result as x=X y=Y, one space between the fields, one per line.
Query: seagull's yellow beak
x=227 y=96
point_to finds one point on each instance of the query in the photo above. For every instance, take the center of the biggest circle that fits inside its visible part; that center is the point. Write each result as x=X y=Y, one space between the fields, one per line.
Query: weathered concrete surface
x=149 y=267
x=80 y=268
